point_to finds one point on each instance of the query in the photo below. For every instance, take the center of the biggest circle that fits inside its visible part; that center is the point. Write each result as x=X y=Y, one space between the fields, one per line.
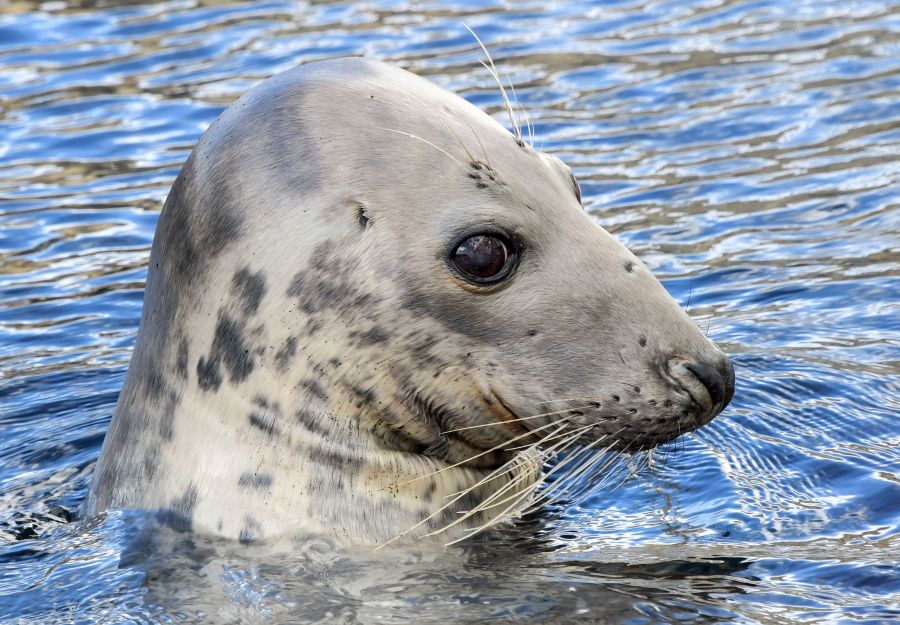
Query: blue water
x=747 y=150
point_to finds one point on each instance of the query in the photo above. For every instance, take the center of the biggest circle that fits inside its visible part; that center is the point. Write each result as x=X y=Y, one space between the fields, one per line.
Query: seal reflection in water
x=372 y=311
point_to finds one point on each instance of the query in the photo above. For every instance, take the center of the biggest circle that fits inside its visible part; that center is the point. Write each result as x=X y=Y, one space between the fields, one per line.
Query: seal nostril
x=718 y=379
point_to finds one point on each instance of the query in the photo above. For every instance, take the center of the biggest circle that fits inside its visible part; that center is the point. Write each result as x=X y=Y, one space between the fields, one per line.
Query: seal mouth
x=504 y=413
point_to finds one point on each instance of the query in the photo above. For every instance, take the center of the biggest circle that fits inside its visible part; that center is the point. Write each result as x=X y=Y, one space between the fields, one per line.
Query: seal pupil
x=481 y=256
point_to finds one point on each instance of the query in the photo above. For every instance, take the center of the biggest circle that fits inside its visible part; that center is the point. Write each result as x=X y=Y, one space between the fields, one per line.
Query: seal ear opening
x=362 y=218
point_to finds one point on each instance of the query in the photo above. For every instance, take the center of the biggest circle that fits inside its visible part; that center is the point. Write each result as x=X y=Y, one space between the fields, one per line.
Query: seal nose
x=718 y=378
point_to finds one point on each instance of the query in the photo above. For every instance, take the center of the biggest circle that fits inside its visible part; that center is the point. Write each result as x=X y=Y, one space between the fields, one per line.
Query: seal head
x=365 y=295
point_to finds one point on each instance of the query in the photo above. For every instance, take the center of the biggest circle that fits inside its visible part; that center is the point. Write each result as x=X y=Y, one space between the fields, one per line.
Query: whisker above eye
x=426 y=142
x=517 y=131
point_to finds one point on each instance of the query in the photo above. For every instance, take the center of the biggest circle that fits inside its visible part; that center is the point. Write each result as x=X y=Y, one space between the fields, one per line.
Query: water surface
x=746 y=150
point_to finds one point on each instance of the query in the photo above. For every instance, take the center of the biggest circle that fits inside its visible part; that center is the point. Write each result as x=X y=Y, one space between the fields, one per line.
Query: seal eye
x=482 y=258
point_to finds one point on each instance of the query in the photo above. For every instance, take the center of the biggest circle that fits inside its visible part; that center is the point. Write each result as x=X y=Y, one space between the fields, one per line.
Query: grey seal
x=372 y=311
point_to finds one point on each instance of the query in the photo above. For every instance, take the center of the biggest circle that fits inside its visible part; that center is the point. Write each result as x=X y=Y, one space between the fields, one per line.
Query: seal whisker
x=521 y=106
x=451 y=502
x=581 y=464
x=544 y=440
x=478 y=139
x=487 y=503
x=425 y=141
x=495 y=519
x=574 y=491
x=606 y=481
x=493 y=70
x=568 y=437
x=456 y=136
x=478 y=455
x=545 y=498
x=494 y=501
x=516 y=107
x=536 y=416
x=580 y=398
x=574 y=467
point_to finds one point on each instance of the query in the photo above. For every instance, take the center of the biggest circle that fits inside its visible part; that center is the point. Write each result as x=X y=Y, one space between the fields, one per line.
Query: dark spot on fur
x=181 y=359
x=422 y=351
x=179 y=514
x=335 y=460
x=262 y=422
x=154 y=383
x=481 y=185
x=310 y=422
x=198 y=221
x=616 y=398
x=364 y=396
x=642 y=341
x=462 y=319
x=532 y=333
x=208 y=374
x=315 y=389
x=323 y=287
x=285 y=353
x=249 y=288
x=160 y=399
x=228 y=348
x=361 y=217
x=255 y=480
x=263 y=417
x=312 y=326
x=166 y=426
x=629 y=266
x=251 y=532
x=428 y=495
x=330 y=283
x=373 y=336
x=149 y=463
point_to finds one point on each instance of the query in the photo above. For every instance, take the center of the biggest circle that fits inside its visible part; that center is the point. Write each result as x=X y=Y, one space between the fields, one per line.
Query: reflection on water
x=746 y=150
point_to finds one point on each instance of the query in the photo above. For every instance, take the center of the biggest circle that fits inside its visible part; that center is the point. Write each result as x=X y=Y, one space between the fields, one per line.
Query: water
x=746 y=150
